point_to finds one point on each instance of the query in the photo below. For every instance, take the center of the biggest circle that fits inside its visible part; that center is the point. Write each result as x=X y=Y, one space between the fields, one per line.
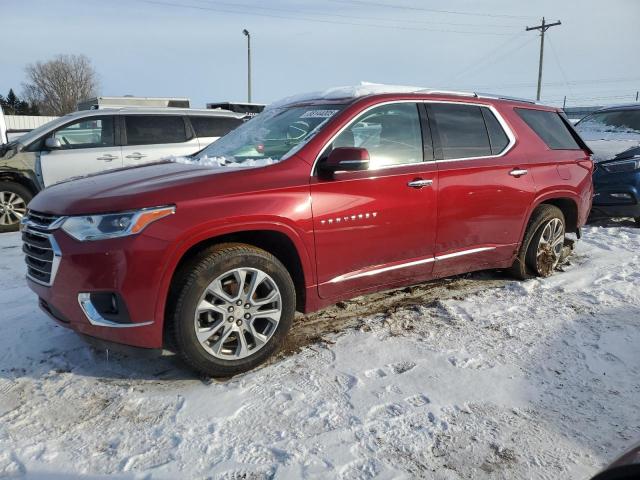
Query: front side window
x=613 y=124
x=462 y=130
x=91 y=132
x=391 y=134
x=155 y=129
x=272 y=136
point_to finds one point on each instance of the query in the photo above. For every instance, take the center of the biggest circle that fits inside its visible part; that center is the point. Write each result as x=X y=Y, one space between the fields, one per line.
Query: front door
x=485 y=190
x=86 y=146
x=377 y=227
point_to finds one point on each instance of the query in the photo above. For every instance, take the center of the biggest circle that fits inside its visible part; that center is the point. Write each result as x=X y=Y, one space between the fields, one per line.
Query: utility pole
x=543 y=28
x=637 y=93
x=248 y=35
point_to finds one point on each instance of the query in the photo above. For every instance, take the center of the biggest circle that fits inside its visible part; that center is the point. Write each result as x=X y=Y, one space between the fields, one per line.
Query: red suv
x=315 y=200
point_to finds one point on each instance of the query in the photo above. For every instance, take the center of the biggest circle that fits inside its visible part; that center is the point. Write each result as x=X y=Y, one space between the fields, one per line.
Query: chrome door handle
x=419 y=183
x=107 y=158
x=518 y=172
x=136 y=156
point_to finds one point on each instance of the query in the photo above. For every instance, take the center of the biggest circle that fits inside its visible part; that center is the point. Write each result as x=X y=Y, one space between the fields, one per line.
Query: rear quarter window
x=550 y=127
x=214 y=126
x=155 y=129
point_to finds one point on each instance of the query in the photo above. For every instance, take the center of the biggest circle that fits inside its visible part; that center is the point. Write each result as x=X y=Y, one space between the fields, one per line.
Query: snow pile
x=221 y=162
x=475 y=377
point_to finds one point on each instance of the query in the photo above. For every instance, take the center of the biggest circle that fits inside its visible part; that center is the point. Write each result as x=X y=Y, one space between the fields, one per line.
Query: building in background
x=17 y=125
x=131 y=101
x=251 y=109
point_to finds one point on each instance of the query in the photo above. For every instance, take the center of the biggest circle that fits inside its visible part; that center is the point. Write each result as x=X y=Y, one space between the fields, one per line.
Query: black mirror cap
x=347 y=159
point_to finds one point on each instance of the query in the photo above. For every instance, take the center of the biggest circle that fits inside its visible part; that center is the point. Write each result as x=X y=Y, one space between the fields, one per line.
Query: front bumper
x=616 y=194
x=130 y=268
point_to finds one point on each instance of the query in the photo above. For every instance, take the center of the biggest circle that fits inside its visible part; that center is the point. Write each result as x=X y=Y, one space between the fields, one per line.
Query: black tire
x=9 y=222
x=526 y=265
x=637 y=220
x=194 y=278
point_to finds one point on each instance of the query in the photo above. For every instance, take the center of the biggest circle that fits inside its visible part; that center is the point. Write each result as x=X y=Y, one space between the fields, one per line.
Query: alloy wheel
x=12 y=208
x=238 y=313
x=550 y=246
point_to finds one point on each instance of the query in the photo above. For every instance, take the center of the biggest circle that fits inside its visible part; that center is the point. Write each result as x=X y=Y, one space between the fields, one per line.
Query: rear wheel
x=543 y=244
x=13 y=205
x=235 y=306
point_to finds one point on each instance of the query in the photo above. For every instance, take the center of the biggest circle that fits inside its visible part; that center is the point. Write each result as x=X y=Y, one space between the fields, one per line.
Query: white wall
x=25 y=122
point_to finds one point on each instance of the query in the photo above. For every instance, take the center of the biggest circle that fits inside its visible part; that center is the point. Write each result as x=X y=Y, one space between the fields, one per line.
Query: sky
x=196 y=48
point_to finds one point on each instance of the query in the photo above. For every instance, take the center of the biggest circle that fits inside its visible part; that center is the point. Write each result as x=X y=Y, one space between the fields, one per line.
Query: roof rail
x=447 y=92
x=504 y=97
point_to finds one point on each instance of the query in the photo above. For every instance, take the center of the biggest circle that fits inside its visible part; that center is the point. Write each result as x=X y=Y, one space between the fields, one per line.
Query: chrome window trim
x=501 y=121
x=437 y=258
x=84 y=300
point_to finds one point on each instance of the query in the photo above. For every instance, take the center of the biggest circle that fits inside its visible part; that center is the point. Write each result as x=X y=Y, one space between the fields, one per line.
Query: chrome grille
x=41 y=251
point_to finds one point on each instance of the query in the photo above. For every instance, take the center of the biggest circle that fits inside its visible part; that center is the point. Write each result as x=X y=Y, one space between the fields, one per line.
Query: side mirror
x=348 y=159
x=52 y=143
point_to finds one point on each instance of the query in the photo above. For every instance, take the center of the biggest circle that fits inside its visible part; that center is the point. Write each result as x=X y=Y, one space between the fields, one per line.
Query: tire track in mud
x=349 y=315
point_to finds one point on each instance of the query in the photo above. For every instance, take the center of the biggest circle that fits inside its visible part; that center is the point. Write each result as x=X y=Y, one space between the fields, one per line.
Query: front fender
x=302 y=239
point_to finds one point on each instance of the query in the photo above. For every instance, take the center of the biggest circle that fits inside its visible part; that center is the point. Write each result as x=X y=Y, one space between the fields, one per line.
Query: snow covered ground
x=474 y=377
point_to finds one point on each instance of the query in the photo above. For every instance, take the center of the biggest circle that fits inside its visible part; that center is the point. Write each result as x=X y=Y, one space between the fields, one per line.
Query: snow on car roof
x=346 y=92
x=367 y=88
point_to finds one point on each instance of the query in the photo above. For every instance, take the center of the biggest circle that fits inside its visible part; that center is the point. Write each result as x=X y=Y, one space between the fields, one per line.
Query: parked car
x=213 y=262
x=613 y=134
x=626 y=467
x=95 y=140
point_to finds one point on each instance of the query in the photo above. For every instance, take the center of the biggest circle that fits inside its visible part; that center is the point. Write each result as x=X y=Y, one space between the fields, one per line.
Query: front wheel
x=235 y=306
x=543 y=244
x=13 y=205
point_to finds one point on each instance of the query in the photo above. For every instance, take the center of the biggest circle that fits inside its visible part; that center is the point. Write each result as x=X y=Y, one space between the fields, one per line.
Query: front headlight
x=619 y=166
x=113 y=225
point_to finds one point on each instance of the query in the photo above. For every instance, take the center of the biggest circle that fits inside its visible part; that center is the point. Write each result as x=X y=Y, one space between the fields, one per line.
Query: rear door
x=87 y=145
x=149 y=138
x=208 y=129
x=377 y=227
x=485 y=189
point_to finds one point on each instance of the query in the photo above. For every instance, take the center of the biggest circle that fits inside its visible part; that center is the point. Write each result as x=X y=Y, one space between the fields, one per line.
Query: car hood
x=130 y=188
x=609 y=149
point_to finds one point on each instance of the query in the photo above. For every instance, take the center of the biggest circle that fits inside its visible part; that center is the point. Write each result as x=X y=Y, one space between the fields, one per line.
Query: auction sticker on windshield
x=319 y=113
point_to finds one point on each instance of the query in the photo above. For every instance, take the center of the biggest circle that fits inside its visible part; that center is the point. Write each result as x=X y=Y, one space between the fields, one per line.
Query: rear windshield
x=550 y=127
x=611 y=124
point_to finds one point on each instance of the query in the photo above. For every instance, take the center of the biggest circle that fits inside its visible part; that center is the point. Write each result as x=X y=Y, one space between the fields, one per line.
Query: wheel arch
x=284 y=245
x=566 y=201
x=20 y=179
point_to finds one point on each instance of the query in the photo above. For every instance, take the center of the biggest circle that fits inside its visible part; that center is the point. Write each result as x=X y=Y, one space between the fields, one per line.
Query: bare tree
x=56 y=86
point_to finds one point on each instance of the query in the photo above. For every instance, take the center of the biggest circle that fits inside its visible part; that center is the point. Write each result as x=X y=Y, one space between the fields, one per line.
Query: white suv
x=91 y=141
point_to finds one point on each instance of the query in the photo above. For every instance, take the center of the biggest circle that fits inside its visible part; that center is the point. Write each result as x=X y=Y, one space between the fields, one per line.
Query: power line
x=482 y=59
x=424 y=9
x=235 y=11
x=359 y=17
x=574 y=83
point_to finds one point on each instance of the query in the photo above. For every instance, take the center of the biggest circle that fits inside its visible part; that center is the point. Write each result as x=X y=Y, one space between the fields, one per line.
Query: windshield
x=613 y=124
x=270 y=137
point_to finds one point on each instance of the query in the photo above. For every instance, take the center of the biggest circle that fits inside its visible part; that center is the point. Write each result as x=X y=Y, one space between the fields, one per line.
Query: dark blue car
x=613 y=133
